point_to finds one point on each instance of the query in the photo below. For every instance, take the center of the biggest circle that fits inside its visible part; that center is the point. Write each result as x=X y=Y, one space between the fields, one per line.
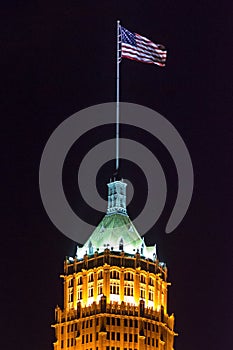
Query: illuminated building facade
x=115 y=289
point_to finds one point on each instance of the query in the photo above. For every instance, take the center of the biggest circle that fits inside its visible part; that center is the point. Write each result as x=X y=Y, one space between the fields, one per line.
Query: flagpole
x=117 y=96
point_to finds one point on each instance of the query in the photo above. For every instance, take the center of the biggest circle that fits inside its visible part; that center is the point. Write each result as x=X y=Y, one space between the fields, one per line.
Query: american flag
x=139 y=48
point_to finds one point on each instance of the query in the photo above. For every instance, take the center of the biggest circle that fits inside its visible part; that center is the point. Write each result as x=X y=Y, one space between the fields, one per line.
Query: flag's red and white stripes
x=139 y=48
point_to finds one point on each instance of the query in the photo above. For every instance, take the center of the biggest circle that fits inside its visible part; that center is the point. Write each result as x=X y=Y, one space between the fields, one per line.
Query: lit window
x=90 y=291
x=128 y=276
x=142 y=292
x=100 y=288
x=142 y=279
x=114 y=288
x=79 y=293
x=100 y=275
x=128 y=289
x=114 y=274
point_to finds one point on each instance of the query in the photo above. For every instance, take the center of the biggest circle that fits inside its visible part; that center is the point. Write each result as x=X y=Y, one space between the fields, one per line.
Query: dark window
x=62 y=344
x=121 y=244
x=136 y=323
x=108 y=320
x=108 y=335
x=113 y=336
x=90 y=323
x=113 y=321
x=91 y=337
x=83 y=339
x=118 y=336
x=157 y=343
x=97 y=322
x=118 y=321
x=125 y=337
x=86 y=338
x=135 y=338
x=130 y=337
x=125 y=323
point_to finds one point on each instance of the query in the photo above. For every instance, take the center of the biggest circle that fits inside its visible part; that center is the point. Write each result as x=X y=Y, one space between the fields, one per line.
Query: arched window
x=121 y=244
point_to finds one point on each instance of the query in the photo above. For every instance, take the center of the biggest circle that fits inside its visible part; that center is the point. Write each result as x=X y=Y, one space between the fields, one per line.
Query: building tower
x=115 y=289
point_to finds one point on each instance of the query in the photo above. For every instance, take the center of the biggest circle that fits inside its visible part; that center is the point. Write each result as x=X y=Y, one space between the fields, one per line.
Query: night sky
x=58 y=57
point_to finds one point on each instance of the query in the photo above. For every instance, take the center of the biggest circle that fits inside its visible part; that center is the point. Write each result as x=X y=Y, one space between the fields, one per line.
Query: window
x=118 y=322
x=129 y=276
x=125 y=322
x=151 y=282
x=151 y=295
x=130 y=337
x=114 y=287
x=118 y=336
x=79 y=293
x=135 y=338
x=125 y=337
x=100 y=275
x=91 y=277
x=70 y=298
x=142 y=292
x=90 y=291
x=142 y=279
x=100 y=288
x=114 y=274
x=80 y=280
x=113 y=336
x=128 y=289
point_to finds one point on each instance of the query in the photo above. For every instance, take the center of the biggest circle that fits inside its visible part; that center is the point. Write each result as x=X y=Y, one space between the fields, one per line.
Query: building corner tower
x=115 y=289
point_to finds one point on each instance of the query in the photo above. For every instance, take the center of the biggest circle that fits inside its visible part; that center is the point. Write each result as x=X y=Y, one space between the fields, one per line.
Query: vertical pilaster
x=85 y=291
x=75 y=282
x=137 y=286
x=122 y=284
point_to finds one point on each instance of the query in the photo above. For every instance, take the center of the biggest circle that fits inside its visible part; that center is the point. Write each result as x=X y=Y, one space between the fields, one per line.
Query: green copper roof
x=116 y=231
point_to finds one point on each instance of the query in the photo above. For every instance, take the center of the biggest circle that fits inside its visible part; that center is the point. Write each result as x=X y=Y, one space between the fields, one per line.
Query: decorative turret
x=117 y=198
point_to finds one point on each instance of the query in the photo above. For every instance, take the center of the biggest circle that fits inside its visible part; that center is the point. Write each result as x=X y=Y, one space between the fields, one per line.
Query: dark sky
x=58 y=57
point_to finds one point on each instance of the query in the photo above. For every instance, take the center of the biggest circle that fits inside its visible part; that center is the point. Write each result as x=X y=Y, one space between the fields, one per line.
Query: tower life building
x=115 y=289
